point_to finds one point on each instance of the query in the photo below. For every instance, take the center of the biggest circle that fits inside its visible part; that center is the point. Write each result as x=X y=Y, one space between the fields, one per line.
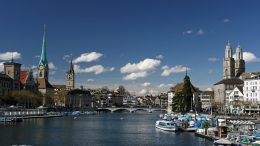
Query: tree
x=182 y=100
x=122 y=91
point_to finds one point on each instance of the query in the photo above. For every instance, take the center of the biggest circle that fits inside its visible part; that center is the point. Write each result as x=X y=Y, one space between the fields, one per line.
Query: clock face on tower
x=69 y=76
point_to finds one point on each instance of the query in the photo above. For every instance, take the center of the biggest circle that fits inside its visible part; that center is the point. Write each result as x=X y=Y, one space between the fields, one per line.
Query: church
x=232 y=70
x=42 y=78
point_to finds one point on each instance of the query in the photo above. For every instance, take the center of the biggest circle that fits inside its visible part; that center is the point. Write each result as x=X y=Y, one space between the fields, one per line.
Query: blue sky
x=131 y=42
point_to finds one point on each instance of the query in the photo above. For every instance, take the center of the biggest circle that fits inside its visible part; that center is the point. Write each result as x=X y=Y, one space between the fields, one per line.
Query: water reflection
x=103 y=129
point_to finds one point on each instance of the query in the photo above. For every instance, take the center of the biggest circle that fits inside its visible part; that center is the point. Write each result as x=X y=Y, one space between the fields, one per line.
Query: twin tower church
x=43 y=72
x=233 y=68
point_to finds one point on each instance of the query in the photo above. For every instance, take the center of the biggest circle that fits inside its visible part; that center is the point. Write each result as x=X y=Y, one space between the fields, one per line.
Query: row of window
x=252 y=82
x=251 y=94
x=6 y=84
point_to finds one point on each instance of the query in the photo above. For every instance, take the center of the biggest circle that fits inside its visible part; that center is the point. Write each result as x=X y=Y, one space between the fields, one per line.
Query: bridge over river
x=114 y=109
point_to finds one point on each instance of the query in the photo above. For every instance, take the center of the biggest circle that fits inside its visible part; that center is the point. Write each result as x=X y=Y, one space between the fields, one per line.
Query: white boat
x=166 y=125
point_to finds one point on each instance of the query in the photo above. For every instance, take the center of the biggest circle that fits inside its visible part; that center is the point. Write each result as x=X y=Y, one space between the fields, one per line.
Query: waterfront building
x=206 y=98
x=13 y=79
x=13 y=69
x=43 y=70
x=163 y=101
x=6 y=84
x=170 y=97
x=251 y=91
x=78 y=98
x=70 y=77
x=27 y=81
x=235 y=100
x=129 y=101
x=222 y=89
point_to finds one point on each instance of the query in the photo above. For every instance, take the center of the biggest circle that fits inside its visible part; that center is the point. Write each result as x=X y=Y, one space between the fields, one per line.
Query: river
x=105 y=129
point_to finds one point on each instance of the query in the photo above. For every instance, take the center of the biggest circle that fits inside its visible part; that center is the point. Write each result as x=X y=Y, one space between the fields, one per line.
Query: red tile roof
x=23 y=76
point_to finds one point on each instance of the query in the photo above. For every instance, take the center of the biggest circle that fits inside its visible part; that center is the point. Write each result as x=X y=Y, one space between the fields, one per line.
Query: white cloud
x=10 y=55
x=159 y=56
x=226 y=20
x=200 y=32
x=141 y=69
x=52 y=72
x=90 y=80
x=153 y=92
x=176 y=69
x=187 y=32
x=1 y=66
x=66 y=57
x=249 y=57
x=213 y=59
x=96 y=69
x=146 y=84
x=134 y=76
x=165 y=85
x=143 y=92
x=37 y=56
x=88 y=57
x=52 y=66
x=211 y=71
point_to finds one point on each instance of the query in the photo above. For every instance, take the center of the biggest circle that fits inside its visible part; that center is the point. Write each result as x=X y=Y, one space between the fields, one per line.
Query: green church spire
x=43 y=60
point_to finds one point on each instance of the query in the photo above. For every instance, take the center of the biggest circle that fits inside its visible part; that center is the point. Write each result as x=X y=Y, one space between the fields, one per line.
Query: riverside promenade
x=16 y=114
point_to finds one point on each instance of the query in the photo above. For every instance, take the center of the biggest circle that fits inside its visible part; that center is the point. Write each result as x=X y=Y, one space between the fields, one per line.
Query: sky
x=144 y=45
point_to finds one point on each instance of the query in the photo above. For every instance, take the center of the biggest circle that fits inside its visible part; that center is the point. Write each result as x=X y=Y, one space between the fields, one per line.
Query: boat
x=11 y=119
x=188 y=126
x=222 y=142
x=166 y=125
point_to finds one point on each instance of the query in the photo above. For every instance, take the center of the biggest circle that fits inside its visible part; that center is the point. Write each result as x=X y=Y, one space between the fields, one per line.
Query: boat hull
x=168 y=128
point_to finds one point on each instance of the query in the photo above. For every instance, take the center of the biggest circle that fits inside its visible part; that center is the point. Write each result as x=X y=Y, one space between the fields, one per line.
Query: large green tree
x=183 y=99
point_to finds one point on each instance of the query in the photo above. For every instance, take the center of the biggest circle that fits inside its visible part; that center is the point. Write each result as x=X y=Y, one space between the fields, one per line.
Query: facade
x=13 y=70
x=252 y=93
x=27 y=81
x=170 y=97
x=6 y=84
x=129 y=101
x=163 y=101
x=206 y=98
x=70 y=77
x=223 y=88
x=78 y=98
x=236 y=100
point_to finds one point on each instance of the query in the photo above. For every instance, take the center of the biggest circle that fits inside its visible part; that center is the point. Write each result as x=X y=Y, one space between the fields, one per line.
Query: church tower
x=228 y=63
x=239 y=62
x=43 y=68
x=13 y=70
x=70 y=77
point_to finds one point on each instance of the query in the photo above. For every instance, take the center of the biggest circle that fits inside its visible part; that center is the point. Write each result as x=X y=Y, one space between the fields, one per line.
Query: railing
x=22 y=112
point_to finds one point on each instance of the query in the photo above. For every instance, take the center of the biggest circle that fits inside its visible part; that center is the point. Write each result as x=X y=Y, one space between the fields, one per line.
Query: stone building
x=233 y=67
x=6 y=84
x=232 y=70
x=78 y=98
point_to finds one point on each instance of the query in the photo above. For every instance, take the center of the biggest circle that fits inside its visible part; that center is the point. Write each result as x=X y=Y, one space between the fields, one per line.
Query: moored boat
x=166 y=125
